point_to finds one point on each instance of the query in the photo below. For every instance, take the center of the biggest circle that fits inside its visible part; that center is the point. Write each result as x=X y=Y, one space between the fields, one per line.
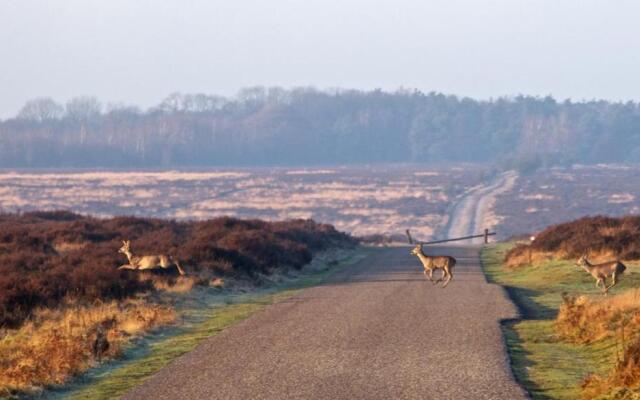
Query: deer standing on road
x=603 y=271
x=147 y=262
x=445 y=263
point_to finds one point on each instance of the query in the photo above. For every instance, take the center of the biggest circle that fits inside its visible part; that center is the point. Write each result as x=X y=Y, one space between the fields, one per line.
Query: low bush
x=598 y=236
x=48 y=256
x=583 y=320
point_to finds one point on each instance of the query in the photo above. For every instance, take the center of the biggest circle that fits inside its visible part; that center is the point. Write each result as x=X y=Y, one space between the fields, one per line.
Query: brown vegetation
x=57 y=344
x=599 y=237
x=46 y=257
x=584 y=320
x=623 y=382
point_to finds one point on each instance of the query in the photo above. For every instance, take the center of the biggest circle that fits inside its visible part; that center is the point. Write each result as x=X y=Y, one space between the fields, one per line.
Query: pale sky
x=139 y=51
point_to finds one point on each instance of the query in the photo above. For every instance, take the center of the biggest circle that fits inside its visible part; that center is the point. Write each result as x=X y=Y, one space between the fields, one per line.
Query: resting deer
x=603 y=271
x=147 y=262
x=445 y=263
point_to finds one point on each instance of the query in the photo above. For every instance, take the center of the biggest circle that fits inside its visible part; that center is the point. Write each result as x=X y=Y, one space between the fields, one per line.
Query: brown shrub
x=624 y=380
x=599 y=236
x=582 y=319
x=35 y=271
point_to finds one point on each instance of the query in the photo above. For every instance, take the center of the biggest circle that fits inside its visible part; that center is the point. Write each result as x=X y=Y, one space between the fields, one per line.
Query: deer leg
x=180 y=270
x=447 y=273
x=602 y=285
x=614 y=281
x=441 y=277
x=450 y=273
x=126 y=266
x=431 y=277
x=428 y=273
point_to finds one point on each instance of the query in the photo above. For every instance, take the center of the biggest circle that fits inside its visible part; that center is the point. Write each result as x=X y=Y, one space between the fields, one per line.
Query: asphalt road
x=376 y=330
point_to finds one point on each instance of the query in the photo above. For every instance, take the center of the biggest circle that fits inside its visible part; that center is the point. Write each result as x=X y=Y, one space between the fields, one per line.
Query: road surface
x=375 y=330
x=473 y=213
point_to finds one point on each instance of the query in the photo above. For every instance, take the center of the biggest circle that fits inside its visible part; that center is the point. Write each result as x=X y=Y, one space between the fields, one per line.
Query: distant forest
x=304 y=126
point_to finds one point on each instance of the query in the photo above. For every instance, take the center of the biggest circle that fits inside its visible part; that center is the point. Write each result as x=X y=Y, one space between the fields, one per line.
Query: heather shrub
x=598 y=236
x=48 y=256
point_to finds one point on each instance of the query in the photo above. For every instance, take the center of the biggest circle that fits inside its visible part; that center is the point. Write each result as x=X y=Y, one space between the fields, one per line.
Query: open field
x=365 y=200
x=359 y=200
x=548 y=197
x=546 y=357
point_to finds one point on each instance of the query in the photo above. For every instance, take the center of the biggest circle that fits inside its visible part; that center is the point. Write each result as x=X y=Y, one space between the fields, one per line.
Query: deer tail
x=621 y=267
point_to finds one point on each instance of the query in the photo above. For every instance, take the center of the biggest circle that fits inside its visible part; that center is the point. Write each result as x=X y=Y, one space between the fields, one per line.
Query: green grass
x=546 y=366
x=203 y=317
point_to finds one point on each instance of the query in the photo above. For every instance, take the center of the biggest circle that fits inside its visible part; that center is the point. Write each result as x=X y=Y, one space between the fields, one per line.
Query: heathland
x=363 y=200
x=360 y=200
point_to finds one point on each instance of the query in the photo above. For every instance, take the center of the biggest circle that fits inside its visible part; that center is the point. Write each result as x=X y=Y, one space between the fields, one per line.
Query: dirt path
x=376 y=330
x=474 y=212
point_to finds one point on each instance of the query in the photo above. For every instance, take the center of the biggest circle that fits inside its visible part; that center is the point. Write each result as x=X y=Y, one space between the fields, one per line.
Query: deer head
x=582 y=261
x=417 y=250
x=126 y=247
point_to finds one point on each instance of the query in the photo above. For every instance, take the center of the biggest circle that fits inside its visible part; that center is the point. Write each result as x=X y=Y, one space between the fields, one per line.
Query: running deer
x=445 y=263
x=603 y=271
x=147 y=262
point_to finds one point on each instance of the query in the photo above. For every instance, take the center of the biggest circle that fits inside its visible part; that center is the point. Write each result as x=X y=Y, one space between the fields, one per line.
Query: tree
x=83 y=108
x=40 y=110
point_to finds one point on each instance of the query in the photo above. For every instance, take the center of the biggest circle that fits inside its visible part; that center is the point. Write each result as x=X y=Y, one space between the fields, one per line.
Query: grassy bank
x=204 y=313
x=544 y=361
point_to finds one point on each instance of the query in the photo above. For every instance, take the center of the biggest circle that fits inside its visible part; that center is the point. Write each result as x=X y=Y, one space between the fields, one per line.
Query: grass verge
x=548 y=366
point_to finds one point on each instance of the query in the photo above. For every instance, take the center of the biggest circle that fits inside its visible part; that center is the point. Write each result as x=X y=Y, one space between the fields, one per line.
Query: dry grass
x=623 y=382
x=585 y=320
x=527 y=257
x=362 y=201
x=55 y=345
x=217 y=283
x=68 y=247
x=180 y=284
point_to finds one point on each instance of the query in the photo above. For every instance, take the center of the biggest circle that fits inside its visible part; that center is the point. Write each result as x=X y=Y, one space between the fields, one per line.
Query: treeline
x=273 y=126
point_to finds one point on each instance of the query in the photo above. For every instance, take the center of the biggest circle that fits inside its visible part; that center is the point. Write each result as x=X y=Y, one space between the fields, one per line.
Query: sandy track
x=376 y=330
x=474 y=212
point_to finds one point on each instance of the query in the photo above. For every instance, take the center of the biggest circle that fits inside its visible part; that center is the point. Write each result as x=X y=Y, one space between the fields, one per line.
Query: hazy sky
x=138 y=51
